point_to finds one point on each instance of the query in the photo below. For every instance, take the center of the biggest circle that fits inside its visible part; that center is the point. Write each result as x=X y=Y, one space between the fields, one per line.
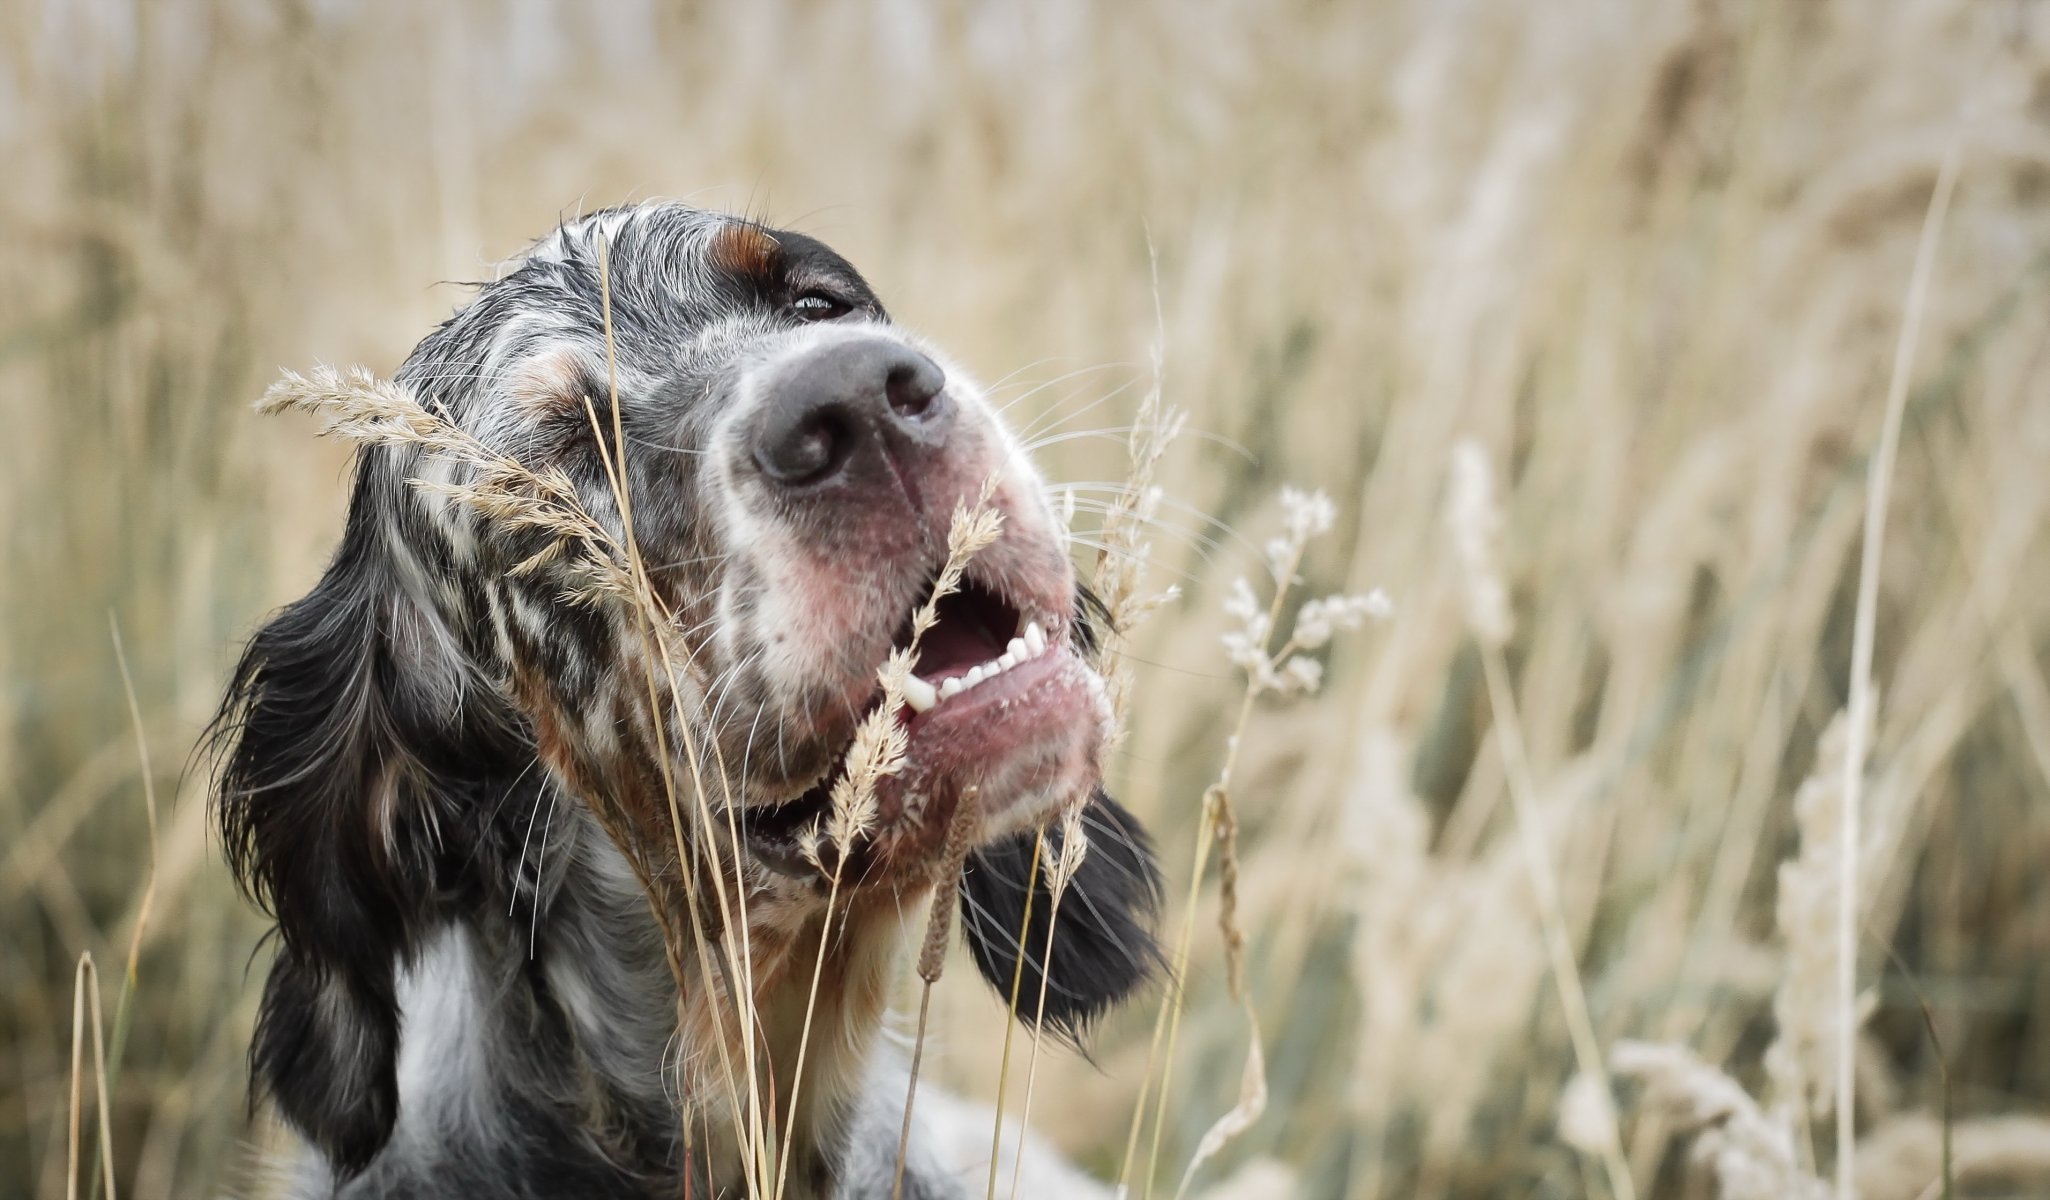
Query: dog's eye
x=819 y=306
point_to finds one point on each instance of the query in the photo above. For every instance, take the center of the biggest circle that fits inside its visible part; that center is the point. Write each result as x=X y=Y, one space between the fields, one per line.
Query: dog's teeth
x=1019 y=650
x=974 y=676
x=1007 y=661
x=919 y=694
x=1035 y=637
x=951 y=688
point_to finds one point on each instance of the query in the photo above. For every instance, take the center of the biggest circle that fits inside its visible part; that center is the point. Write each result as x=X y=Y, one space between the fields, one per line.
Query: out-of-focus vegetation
x=1651 y=255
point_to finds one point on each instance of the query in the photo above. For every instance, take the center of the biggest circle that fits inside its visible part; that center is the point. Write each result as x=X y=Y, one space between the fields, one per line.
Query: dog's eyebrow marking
x=747 y=250
x=548 y=385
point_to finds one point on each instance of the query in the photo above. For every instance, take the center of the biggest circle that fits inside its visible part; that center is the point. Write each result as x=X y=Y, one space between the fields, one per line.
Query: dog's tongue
x=951 y=648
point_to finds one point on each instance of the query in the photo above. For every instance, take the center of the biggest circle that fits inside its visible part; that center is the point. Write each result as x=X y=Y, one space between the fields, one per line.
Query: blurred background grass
x=1651 y=253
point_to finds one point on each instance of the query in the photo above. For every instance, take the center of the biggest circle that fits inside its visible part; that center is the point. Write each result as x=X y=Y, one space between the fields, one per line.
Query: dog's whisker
x=653 y=445
x=1056 y=381
x=1055 y=419
x=1130 y=555
x=540 y=869
x=1192 y=536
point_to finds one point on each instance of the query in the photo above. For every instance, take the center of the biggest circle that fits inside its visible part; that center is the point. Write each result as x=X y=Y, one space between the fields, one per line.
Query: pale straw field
x=1623 y=335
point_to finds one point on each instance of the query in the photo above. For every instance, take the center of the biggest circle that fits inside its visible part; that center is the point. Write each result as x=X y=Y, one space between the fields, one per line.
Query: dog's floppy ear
x=339 y=724
x=1103 y=944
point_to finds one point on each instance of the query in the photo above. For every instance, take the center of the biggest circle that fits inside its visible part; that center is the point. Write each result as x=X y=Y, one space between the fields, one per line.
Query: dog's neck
x=556 y=1028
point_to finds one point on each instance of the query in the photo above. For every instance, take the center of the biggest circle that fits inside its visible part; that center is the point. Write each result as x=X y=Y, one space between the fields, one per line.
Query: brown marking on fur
x=619 y=801
x=745 y=249
x=548 y=384
x=860 y=949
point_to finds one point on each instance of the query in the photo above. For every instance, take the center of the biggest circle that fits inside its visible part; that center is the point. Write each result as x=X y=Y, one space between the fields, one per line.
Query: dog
x=472 y=993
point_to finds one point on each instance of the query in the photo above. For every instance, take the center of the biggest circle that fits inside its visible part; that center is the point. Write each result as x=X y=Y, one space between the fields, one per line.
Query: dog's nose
x=827 y=406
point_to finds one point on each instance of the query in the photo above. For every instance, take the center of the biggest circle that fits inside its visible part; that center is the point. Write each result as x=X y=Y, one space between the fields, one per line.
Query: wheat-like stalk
x=1123 y=548
x=1797 y=1063
x=876 y=753
x=1283 y=669
x=1074 y=848
x=1879 y=484
x=932 y=953
x=877 y=750
x=996 y=1135
x=356 y=405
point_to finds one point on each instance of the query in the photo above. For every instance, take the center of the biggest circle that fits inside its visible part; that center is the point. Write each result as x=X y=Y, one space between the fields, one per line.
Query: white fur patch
x=444 y=1074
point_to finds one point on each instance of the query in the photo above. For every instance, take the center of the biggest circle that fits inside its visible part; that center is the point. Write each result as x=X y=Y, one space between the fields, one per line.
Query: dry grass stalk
x=1475 y=525
x=1118 y=581
x=1123 y=548
x=810 y=851
x=877 y=750
x=1879 y=484
x=1285 y=671
x=1281 y=670
x=85 y=998
x=996 y=1133
x=1394 y=888
x=1747 y=1154
x=357 y=406
x=130 y=976
x=1166 y=1023
x=1074 y=848
x=932 y=953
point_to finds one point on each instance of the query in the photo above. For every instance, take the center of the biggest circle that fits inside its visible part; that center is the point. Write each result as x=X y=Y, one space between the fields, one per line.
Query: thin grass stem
x=1879 y=485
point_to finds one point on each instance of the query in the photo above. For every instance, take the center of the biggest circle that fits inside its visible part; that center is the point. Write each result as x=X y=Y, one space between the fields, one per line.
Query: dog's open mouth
x=997 y=698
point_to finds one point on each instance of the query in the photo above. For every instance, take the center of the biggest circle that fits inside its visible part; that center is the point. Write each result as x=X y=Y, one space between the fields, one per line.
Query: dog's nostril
x=912 y=384
x=806 y=451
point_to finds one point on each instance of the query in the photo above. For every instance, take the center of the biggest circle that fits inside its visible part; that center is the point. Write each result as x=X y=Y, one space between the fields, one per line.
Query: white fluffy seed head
x=1475 y=525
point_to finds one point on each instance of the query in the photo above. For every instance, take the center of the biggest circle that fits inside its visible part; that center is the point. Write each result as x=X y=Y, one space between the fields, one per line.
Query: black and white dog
x=472 y=995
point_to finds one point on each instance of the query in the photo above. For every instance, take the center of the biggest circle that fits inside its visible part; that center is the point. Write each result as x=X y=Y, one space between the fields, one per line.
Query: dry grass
x=1653 y=258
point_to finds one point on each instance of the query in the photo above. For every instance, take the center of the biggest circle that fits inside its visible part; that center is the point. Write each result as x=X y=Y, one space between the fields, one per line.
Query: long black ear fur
x=1103 y=947
x=340 y=733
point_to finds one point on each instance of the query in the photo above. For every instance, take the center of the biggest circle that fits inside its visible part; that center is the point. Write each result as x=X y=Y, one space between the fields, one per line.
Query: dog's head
x=791 y=463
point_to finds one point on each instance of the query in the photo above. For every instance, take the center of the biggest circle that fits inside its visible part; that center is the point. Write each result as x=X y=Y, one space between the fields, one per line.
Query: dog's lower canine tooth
x=919 y=694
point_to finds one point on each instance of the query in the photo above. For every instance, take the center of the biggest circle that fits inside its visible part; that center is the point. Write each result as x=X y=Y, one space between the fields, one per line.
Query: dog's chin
x=1015 y=747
